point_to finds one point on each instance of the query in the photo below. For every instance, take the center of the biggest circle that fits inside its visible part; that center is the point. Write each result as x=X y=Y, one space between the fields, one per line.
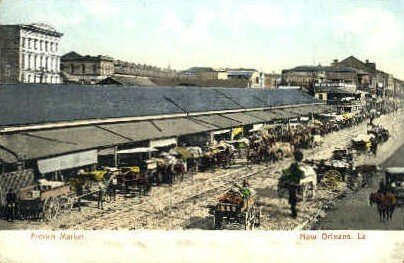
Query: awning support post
x=115 y=156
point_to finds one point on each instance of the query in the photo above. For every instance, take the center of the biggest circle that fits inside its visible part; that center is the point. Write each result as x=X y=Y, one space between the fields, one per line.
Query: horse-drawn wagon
x=380 y=133
x=394 y=179
x=44 y=200
x=238 y=206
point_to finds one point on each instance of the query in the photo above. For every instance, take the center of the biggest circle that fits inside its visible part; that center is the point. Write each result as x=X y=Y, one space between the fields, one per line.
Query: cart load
x=131 y=169
x=362 y=142
x=97 y=175
x=238 y=206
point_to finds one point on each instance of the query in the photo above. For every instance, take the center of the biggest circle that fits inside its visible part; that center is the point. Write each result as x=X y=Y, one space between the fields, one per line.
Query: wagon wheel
x=304 y=193
x=66 y=202
x=248 y=220
x=258 y=213
x=51 y=208
x=331 y=178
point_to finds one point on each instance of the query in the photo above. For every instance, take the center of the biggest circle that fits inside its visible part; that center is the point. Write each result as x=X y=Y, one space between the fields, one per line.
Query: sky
x=266 y=35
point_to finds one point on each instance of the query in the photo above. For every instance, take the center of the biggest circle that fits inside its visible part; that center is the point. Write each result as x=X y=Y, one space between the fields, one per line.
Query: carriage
x=380 y=133
x=362 y=142
x=235 y=208
x=394 y=179
x=44 y=200
x=134 y=180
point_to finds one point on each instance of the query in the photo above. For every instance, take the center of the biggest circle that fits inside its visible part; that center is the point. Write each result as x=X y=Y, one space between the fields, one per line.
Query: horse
x=386 y=204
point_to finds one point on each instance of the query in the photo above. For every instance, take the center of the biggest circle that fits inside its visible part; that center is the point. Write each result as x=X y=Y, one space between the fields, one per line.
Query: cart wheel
x=51 y=208
x=258 y=214
x=247 y=220
x=66 y=203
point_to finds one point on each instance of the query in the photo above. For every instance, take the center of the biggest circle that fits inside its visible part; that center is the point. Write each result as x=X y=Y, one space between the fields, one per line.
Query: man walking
x=294 y=175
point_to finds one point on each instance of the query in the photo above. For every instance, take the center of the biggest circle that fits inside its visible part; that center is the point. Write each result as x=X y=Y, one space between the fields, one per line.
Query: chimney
x=367 y=61
x=335 y=62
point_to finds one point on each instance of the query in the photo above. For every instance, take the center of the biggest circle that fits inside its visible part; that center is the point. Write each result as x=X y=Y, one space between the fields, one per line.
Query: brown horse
x=386 y=204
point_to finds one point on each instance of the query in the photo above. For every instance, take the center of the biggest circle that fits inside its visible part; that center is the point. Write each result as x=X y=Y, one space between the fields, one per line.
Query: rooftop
x=64 y=103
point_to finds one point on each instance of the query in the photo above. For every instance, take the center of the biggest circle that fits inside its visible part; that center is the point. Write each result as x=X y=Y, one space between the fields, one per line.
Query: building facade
x=255 y=78
x=86 y=69
x=29 y=54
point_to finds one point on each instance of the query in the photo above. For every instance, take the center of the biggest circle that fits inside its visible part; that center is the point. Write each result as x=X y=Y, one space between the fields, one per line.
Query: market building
x=89 y=124
x=29 y=54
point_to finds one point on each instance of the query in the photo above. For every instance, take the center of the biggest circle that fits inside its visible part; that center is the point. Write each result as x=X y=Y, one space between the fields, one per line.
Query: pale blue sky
x=266 y=35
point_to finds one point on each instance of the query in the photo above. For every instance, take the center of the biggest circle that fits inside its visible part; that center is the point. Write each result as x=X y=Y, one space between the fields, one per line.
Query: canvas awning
x=163 y=142
x=67 y=161
x=221 y=132
x=137 y=150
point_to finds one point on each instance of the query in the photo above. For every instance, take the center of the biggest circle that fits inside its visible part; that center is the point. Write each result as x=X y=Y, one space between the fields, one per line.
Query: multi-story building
x=373 y=81
x=86 y=69
x=255 y=78
x=307 y=76
x=29 y=54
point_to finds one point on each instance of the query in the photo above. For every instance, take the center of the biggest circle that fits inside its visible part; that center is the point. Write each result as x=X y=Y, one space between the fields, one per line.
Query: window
x=40 y=45
x=35 y=62
x=47 y=63
x=94 y=68
x=52 y=64
x=83 y=69
x=72 y=69
x=23 y=41
x=35 y=44
x=29 y=62
x=320 y=96
x=29 y=43
x=56 y=47
x=46 y=45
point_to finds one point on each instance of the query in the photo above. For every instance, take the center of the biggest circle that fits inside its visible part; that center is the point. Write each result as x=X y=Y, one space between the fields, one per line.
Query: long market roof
x=27 y=104
x=30 y=104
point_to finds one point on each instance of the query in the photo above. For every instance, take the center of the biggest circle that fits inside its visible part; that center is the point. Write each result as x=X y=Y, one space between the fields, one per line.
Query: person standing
x=100 y=203
x=11 y=199
x=373 y=146
x=80 y=192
